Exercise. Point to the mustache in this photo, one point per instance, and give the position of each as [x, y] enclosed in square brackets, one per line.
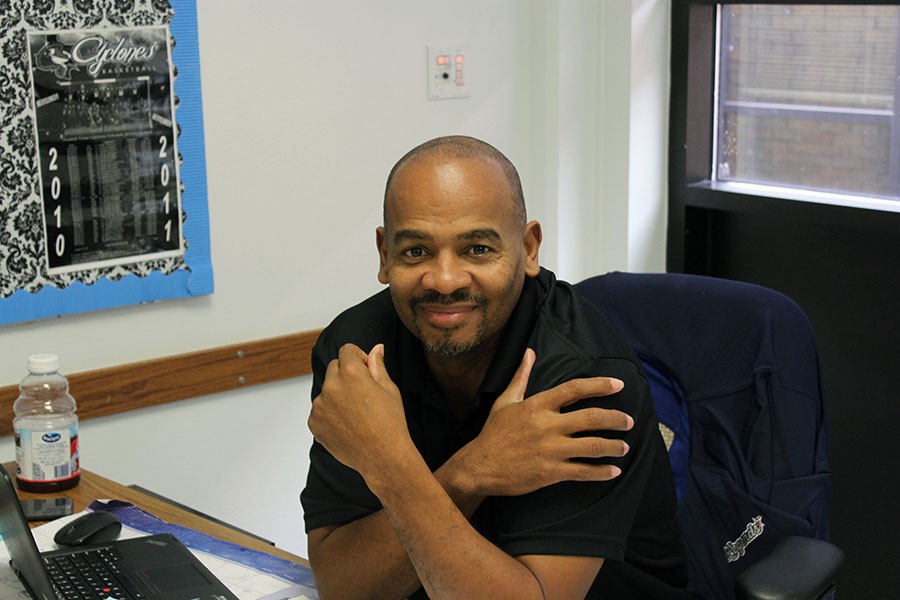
[452, 298]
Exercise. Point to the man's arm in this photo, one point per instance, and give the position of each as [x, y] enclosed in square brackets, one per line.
[365, 559]
[524, 445]
[452, 560]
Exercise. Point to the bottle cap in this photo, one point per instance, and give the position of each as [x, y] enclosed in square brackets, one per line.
[43, 363]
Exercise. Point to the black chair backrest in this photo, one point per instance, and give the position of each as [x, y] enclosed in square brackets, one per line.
[734, 372]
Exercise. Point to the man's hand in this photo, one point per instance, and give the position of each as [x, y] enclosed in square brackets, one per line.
[358, 417]
[527, 443]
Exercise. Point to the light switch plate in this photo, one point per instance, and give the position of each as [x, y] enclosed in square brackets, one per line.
[448, 70]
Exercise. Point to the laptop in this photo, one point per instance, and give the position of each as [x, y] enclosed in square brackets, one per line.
[156, 567]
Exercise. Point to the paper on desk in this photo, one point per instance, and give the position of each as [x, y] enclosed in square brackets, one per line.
[249, 574]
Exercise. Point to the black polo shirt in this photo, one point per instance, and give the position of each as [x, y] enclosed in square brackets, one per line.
[630, 520]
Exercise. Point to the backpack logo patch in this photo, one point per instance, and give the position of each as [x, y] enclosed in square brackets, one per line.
[736, 549]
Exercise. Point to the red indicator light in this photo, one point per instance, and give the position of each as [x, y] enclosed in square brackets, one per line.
[459, 58]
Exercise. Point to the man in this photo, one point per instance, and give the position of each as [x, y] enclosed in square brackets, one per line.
[456, 414]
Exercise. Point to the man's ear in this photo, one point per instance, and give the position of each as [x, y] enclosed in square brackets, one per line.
[381, 244]
[531, 240]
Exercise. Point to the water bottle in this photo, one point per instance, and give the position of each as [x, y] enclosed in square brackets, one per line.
[46, 429]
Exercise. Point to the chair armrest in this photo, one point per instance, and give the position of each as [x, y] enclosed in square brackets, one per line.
[798, 569]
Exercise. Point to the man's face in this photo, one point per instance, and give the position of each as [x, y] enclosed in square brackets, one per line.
[454, 253]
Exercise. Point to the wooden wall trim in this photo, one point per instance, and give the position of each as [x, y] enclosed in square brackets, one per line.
[131, 386]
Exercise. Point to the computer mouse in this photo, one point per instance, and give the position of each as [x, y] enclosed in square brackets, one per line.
[91, 528]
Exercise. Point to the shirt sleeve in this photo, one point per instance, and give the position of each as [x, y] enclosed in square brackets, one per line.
[334, 493]
[586, 518]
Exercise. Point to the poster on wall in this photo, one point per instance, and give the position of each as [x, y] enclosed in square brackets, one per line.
[102, 174]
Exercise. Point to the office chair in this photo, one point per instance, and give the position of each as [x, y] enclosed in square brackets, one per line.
[734, 374]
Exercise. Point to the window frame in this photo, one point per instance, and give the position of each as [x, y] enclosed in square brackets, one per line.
[694, 193]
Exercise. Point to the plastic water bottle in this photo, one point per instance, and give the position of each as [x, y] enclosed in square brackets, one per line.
[46, 429]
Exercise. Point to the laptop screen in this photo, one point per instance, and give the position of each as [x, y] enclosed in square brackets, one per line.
[20, 543]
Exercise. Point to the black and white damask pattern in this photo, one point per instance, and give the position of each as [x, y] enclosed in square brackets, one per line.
[22, 250]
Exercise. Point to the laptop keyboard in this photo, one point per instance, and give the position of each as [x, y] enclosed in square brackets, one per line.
[90, 575]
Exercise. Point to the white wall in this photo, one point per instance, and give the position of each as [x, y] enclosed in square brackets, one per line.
[307, 105]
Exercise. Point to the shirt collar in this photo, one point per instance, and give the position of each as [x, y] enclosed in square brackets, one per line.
[410, 369]
[517, 334]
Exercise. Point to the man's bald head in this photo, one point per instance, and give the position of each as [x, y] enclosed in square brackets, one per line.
[456, 147]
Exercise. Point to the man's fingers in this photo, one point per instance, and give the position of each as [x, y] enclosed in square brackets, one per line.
[595, 419]
[519, 382]
[353, 363]
[375, 361]
[596, 447]
[587, 472]
[580, 389]
[350, 355]
[515, 391]
[334, 366]
[578, 471]
[378, 370]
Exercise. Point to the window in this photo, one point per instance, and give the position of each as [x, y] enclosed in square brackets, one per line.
[806, 97]
[787, 101]
[784, 111]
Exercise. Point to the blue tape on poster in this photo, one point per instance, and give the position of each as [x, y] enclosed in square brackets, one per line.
[135, 518]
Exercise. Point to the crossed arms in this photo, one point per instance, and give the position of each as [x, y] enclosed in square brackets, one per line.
[422, 535]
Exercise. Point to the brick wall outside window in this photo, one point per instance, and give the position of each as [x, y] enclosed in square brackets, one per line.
[807, 97]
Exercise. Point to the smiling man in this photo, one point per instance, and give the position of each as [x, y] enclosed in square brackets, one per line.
[481, 431]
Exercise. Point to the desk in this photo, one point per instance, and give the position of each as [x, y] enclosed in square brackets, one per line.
[94, 487]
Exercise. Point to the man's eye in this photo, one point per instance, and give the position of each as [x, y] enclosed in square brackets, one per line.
[414, 253]
[479, 250]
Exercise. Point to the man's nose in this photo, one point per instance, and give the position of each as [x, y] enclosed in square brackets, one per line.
[447, 274]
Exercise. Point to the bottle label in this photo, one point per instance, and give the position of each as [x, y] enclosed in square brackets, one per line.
[47, 455]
